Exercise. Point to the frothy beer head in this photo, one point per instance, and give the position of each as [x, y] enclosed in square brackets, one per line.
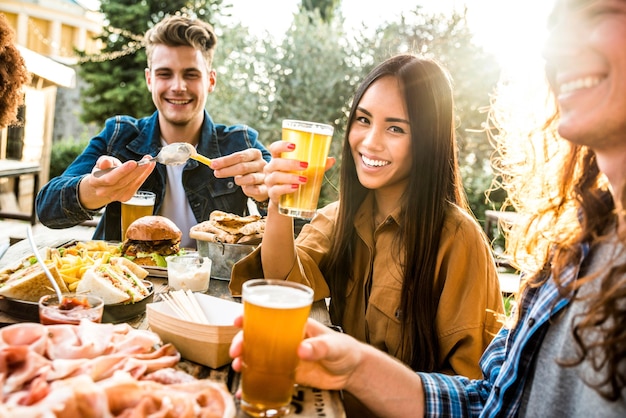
[277, 297]
[139, 201]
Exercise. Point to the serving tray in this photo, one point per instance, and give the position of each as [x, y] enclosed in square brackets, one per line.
[114, 313]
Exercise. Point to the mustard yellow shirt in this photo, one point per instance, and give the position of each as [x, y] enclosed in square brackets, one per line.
[471, 291]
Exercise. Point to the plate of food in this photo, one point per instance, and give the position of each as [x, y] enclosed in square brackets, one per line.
[149, 241]
[227, 238]
[117, 280]
[140, 370]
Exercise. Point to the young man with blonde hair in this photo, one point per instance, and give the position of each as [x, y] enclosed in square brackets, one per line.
[180, 76]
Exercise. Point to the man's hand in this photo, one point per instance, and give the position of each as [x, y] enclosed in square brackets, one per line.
[117, 185]
[247, 168]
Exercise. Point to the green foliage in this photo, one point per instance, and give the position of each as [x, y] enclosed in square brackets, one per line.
[474, 72]
[509, 304]
[311, 73]
[307, 76]
[63, 154]
[325, 8]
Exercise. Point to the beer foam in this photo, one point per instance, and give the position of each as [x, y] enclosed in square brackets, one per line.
[139, 201]
[278, 297]
[312, 127]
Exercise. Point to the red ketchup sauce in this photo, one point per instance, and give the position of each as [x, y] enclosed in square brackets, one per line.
[69, 311]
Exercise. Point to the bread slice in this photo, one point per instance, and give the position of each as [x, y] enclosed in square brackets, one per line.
[29, 282]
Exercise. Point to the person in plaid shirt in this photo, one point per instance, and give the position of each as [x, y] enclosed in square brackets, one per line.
[564, 354]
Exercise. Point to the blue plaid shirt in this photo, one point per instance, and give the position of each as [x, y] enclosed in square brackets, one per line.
[505, 362]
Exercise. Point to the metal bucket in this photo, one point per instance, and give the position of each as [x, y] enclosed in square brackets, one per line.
[223, 256]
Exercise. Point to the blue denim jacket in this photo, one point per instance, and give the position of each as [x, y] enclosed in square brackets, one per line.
[127, 138]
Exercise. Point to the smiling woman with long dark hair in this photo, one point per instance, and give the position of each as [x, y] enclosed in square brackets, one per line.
[406, 266]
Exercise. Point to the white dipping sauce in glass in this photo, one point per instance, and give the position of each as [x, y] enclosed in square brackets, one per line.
[189, 272]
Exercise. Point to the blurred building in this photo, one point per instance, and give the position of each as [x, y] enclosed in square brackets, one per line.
[47, 34]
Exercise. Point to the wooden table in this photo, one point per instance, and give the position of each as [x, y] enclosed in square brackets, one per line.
[307, 402]
[15, 169]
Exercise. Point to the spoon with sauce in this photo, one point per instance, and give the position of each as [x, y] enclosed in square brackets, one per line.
[193, 154]
[176, 153]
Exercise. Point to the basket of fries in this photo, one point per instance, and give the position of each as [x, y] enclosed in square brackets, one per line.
[227, 238]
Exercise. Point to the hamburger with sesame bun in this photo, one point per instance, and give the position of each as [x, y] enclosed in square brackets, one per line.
[150, 239]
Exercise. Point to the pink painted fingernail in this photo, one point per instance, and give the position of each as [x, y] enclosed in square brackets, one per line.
[291, 146]
[302, 179]
[304, 164]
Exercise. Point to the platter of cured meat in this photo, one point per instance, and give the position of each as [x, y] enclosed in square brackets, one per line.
[101, 371]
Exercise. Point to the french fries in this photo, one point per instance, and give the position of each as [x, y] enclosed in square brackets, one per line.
[72, 262]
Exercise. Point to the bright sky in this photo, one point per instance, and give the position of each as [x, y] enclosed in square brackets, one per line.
[513, 30]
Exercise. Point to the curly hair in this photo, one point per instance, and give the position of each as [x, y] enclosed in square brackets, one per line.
[566, 202]
[13, 75]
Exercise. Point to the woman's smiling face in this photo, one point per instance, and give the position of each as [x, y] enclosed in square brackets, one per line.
[586, 58]
[380, 137]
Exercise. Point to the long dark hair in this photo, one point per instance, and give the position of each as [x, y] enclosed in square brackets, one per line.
[434, 184]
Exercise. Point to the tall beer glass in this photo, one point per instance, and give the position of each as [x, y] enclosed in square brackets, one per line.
[141, 204]
[312, 144]
[275, 312]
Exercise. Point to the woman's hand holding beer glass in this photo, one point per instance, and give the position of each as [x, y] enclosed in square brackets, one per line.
[295, 174]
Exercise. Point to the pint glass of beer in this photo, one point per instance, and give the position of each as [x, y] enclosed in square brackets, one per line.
[141, 204]
[274, 312]
[312, 144]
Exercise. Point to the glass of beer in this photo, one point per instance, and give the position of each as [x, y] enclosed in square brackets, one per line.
[141, 204]
[312, 144]
[274, 315]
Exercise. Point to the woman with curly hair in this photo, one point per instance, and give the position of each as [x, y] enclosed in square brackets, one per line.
[13, 75]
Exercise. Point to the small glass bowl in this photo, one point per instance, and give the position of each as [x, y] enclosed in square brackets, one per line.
[74, 308]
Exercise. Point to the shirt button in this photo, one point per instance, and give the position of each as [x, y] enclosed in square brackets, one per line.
[231, 184]
[531, 322]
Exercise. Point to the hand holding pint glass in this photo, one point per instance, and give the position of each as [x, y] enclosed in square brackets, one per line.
[141, 204]
[275, 312]
[312, 142]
